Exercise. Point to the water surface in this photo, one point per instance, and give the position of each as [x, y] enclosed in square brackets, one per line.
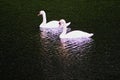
[26, 53]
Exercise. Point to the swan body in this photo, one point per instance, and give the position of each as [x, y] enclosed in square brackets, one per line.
[76, 34]
[73, 34]
[50, 24]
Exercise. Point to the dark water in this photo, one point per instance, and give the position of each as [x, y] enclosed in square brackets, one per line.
[28, 54]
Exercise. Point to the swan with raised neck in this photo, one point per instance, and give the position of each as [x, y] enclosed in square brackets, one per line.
[42, 12]
[50, 24]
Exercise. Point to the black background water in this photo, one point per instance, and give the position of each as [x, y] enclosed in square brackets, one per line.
[25, 55]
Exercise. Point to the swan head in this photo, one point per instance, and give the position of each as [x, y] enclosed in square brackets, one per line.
[63, 23]
[42, 12]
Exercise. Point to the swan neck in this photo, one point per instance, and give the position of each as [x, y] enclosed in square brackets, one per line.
[44, 18]
[64, 32]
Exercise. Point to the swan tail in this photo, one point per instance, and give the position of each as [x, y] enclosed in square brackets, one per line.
[91, 34]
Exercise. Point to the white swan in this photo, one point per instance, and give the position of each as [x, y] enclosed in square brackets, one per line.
[73, 34]
[50, 24]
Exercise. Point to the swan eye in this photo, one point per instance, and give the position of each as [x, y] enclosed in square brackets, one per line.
[59, 23]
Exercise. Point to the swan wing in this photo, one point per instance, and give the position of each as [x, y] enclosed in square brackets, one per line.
[52, 24]
[78, 34]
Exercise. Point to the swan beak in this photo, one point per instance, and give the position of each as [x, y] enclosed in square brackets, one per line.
[38, 14]
[68, 23]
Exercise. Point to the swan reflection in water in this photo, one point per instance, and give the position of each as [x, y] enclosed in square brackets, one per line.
[62, 59]
[75, 56]
[49, 40]
[76, 47]
[53, 33]
[49, 33]
[46, 32]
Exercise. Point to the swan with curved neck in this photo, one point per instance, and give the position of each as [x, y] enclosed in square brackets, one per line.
[50, 24]
[73, 34]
